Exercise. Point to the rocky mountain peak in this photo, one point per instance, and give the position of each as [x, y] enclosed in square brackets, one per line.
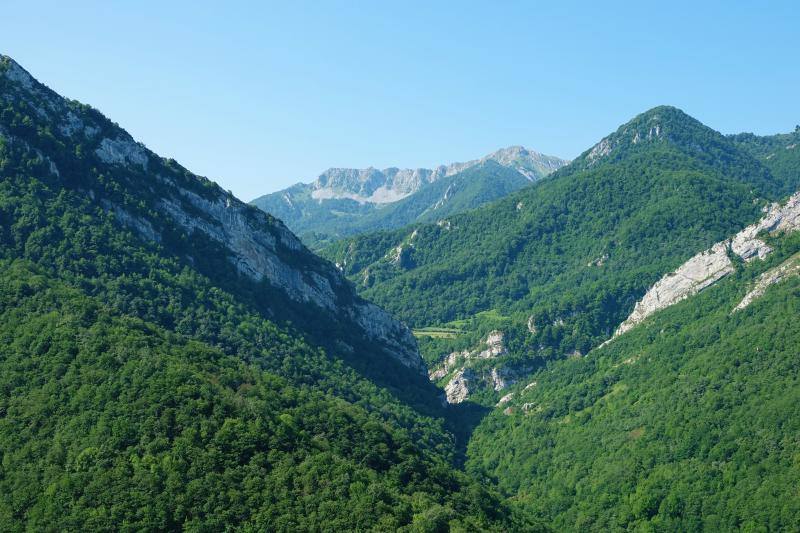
[506, 156]
[668, 129]
[14, 72]
[657, 124]
[628, 135]
[371, 185]
[529, 163]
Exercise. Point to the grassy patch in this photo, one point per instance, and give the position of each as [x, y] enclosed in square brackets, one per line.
[437, 333]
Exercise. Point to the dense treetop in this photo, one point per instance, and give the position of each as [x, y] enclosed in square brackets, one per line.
[148, 385]
[688, 422]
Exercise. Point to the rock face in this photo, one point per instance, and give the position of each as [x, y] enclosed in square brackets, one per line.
[457, 389]
[696, 274]
[787, 269]
[495, 347]
[266, 249]
[259, 246]
[371, 185]
[447, 366]
[122, 151]
[465, 379]
[708, 267]
[501, 378]
[505, 399]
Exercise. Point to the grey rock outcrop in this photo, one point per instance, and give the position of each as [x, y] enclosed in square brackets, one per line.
[121, 151]
[501, 378]
[450, 362]
[259, 246]
[505, 399]
[265, 249]
[494, 347]
[787, 269]
[696, 274]
[709, 266]
[457, 389]
[467, 375]
[389, 185]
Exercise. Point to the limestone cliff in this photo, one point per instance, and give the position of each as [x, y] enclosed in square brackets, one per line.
[389, 185]
[709, 266]
[787, 269]
[465, 376]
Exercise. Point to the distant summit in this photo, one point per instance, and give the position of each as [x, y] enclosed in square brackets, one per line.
[389, 185]
[662, 123]
[346, 201]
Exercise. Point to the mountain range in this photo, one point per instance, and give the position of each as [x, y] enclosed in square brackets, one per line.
[621, 322]
[344, 201]
[608, 344]
[557, 266]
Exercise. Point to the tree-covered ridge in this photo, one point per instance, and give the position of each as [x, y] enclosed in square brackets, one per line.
[567, 258]
[150, 383]
[780, 153]
[111, 423]
[667, 125]
[312, 217]
[688, 422]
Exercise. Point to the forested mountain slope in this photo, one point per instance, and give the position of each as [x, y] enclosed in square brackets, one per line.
[344, 202]
[687, 422]
[112, 423]
[558, 266]
[172, 358]
[780, 153]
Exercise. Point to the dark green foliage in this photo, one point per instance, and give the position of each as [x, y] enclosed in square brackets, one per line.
[780, 153]
[687, 422]
[185, 281]
[73, 236]
[148, 386]
[577, 249]
[110, 423]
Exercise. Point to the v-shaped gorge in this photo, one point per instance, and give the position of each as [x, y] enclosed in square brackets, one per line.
[173, 358]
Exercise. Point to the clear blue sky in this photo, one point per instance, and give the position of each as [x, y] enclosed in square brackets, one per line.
[258, 96]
